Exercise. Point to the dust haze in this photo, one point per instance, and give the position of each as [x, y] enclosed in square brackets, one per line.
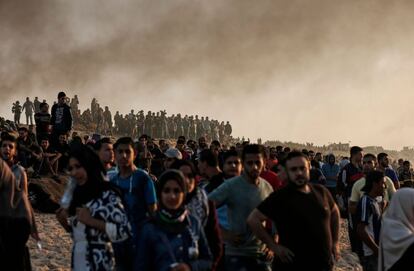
[306, 71]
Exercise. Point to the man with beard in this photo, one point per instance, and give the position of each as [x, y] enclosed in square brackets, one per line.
[369, 163]
[384, 166]
[331, 170]
[241, 195]
[306, 218]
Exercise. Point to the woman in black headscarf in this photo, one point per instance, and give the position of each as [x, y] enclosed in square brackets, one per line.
[174, 239]
[96, 214]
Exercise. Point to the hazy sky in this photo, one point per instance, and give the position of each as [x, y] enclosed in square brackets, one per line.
[306, 71]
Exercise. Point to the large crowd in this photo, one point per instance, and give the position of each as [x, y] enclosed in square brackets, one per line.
[200, 204]
[102, 121]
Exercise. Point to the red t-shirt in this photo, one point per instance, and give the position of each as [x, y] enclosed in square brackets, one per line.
[273, 179]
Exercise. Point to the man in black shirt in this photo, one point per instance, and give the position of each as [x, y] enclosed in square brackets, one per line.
[42, 120]
[306, 218]
[61, 118]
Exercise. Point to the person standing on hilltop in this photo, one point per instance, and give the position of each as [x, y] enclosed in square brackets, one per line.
[28, 108]
[36, 104]
[61, 120]
[17, 110]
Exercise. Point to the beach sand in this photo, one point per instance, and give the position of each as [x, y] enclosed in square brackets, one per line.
[56, 247]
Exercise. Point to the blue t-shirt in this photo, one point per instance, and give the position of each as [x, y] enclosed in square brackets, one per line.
[138, 192]
[329, 171]
[389, 172]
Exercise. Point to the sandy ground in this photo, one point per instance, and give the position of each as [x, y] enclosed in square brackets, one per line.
[56, 248]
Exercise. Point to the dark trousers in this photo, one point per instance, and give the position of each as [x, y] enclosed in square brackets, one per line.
[14, 234]
[242, 263]
[124, 255]
[370, 263]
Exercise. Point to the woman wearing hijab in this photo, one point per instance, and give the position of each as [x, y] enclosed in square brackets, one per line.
[96, 214]
[203, 209]
[16, 222]
[173, 239]
[396, 250]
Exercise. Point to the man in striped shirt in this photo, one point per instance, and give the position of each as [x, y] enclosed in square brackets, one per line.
[369, 215]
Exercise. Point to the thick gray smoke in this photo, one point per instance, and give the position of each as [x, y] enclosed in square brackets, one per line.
[319, 71]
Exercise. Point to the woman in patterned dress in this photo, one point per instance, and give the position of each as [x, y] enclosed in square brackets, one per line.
[96, 215]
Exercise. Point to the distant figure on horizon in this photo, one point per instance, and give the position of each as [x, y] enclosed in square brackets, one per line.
[29, 108]
[36, 104]
[17, 110]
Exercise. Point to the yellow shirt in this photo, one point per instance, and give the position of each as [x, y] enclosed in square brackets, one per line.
[357, 194]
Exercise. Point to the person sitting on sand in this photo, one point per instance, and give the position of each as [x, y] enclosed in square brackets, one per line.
[47, 163]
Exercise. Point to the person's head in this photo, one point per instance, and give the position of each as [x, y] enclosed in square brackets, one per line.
[253, 158]
[202, 142]
[297, 167]
[180, 144]
[23, 133]
[63, 139]
[406, 165]
[105, 150]
[383, 159]
[286, 150]
[172, 190]
[189, 171]
[311, 154]
[369, 163]
[318, 157]
[172, 155]
[124, 152]
[232, 165]
[61, 97]
[207, 159]
[272, 153]
[85, 166]
[400, 162]
[375, 183]
[44, 107]
[27, 98]
[8, 147]
[356, 154]
[331, 159]
[215, 147]
[44, 143]
[279, 149]
[143, 139]
[315, 164]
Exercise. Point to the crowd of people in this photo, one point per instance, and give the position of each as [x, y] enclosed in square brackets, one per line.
[156, 124]
[203, 205]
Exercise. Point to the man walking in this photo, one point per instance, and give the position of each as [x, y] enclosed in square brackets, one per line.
[306, 218]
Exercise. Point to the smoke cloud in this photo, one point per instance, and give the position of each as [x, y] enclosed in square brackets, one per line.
[308, 71]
